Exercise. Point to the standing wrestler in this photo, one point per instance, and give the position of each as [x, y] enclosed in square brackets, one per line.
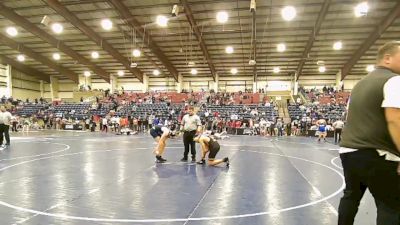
[160, 135]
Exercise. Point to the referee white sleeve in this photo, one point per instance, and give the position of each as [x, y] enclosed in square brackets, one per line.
[391, 93]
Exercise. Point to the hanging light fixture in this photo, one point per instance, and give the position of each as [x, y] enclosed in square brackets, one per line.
[222, 17]
[57, 28]
[136, 53]
[121, 73]
[234, 71]
[106, 24]
[12, 31]
[229, 49]
[56, 56]
[156, 72]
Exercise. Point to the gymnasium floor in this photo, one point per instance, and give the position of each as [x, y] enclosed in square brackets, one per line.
[63, 177]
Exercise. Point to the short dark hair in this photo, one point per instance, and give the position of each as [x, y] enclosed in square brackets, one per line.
[389, 48]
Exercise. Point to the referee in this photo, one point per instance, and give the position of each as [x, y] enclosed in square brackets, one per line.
[191, 125]
[5, 119]
[370, 147]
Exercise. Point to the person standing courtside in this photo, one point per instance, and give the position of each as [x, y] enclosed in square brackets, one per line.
[5, 120]
[370, 146]
[191, 124]
[338, 126]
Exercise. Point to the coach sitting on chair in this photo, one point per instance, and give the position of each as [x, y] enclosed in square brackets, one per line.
[191, 124]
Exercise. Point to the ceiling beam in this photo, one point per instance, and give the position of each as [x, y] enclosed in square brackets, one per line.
[89, 32]
[311, 39]
[372, 38]
[39, 58]
[129, 18]
[32, 28]
[24, 68]
[197, 33]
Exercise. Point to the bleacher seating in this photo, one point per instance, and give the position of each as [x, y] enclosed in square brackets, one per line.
[75, 110]
[295, 112]
[329, 112]
[30, 109]
[138, 110]
[226, 111]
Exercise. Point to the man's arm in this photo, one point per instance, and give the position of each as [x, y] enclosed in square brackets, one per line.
[391, 104]
[393, 122]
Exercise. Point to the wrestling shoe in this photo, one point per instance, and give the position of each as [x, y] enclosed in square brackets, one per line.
[226, 160]
[202, 162]
[160, 159]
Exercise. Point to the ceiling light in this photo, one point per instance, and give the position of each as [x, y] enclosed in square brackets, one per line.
[229, 49]
[288, 13]
[281, 47]
[222, 17]
[57, 28]
[95, 55]
[322, 69]
[56, 56]
[191, 63]
[162, 21]
[193, 71]
[12, 31]
[370, 68]
[106, 24]
[21, 58]
[234, 71]
[361, 9]
[86, 74]
[136, 53]
[276, 69]
[121, 73]
[156, 72]
[337, 45]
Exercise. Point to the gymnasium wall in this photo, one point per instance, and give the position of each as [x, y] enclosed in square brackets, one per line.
[24, 86]
[66, 89]
[162, 84]
[198, 83]
[235, 83]
[129, 84]
[47, 91]
[3, 81]
[349, 84]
